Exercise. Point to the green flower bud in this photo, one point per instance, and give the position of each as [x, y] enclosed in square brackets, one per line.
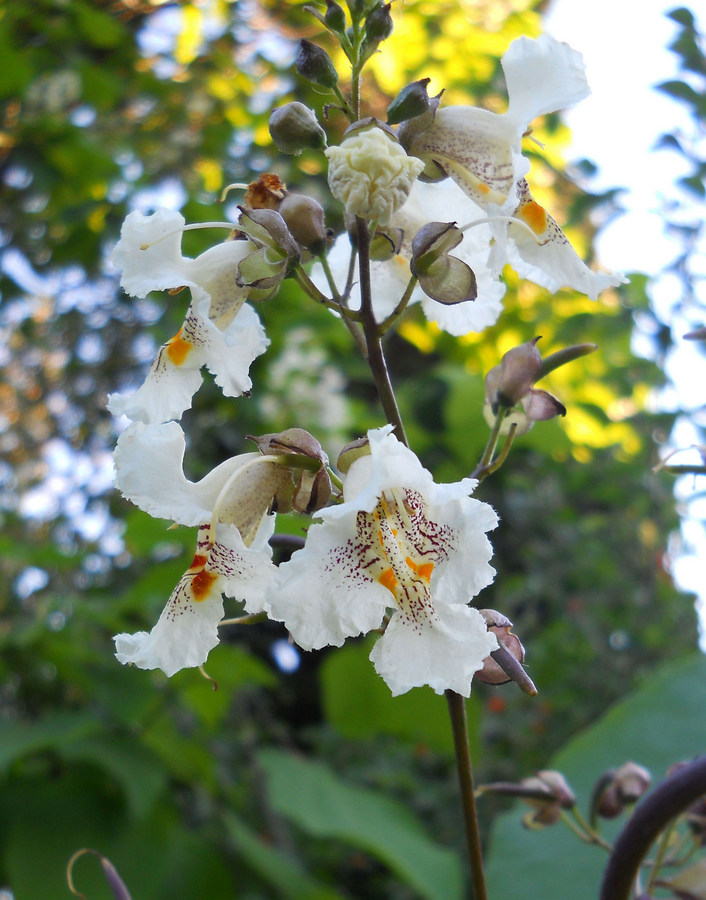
[294, 128]
[412, 101]
[378, 25]
[314, 63]
[334, 17]
[305, 220]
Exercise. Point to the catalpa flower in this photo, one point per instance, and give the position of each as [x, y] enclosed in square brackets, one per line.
[399, 543]
[219, 331]
[427, 203]
[230, 506]
[481, 151]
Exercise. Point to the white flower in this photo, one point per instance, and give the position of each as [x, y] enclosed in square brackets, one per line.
[218, 331]
[232, 556]
[482, 152]
[371, 174]
[400, 542]
[187, 629]
[440, 202]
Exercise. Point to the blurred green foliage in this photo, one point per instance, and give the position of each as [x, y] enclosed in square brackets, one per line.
[115, 104]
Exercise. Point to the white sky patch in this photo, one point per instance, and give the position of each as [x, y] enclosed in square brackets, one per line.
[625, 50]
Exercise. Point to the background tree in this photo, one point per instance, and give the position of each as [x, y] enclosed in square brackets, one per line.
[106, 106]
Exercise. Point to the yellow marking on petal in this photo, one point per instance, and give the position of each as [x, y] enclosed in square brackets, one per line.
[178, 349]
[535, 216]
[387, 580]
[202, 584]
[483, 188]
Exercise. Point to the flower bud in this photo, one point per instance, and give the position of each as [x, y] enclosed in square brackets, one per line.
[314, 63]
[294, 128]
[351, 452]
[442, 277]
[504, 664]
[386, 243]
[620, 788]
[559, 796]
[277, 251]
[334, 17]
[547, 792]
[412, 101]
[310, 486]
[369, 172]
[378, 26]
[509, 382]
[305, 219]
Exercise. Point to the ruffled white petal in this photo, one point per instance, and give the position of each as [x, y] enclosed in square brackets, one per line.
[175, 376]
[542, 75]
[149, 466]
[187, 629]
[555, 264]
[398, 541]
[247, 571]
[158, 267]
[322, 595]
[444, 653]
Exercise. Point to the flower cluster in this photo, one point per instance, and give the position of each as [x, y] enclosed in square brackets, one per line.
[391, 551]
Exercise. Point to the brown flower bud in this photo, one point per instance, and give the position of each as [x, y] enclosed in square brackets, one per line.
[505, 663]
[559, 796]
[619, 788]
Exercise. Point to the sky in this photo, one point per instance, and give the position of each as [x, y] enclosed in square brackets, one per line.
[616, 128]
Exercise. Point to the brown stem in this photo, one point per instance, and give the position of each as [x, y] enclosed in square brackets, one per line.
[376, 357]
[672, 797]
[459, 725]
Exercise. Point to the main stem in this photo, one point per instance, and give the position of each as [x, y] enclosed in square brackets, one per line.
[376, 357]
[459, 725]
[457, 706]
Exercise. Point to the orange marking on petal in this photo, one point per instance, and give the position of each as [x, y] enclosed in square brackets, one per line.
[198, 562]
[535, 216]
[178, 349]
[388, 580]
[202, 584]
[424, 570]
[483, 188]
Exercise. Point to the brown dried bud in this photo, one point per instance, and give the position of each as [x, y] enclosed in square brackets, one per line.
[265, 193]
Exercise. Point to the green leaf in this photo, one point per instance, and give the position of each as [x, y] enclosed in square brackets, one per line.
[53, 732]
[359, 704]
[683, 16]
[136, 769]
[316, 799]
[278, 870]
[660, 724]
